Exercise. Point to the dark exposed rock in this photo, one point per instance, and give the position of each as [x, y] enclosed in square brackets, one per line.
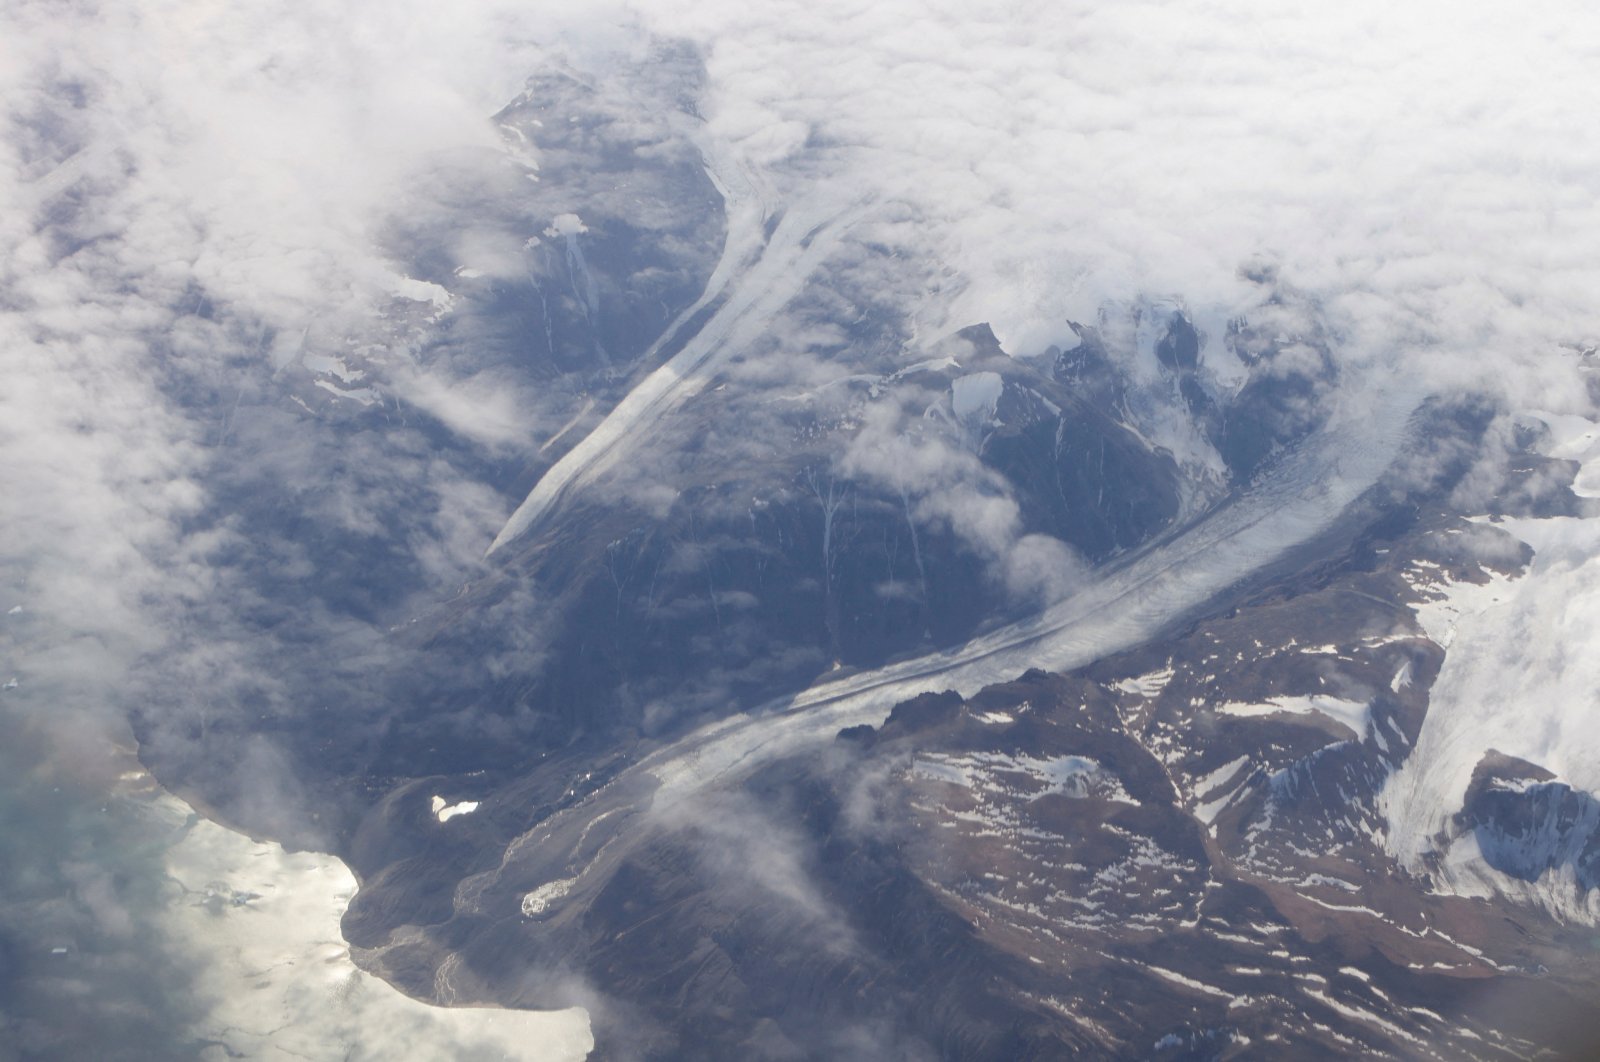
[1527, 822]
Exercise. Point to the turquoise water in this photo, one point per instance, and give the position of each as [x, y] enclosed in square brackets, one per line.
[84, 970]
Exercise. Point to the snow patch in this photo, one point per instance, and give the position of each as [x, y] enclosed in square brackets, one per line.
[1188, 982]
[1571, 437]
[566, 225]
[1402, 678]
[445, 812]
[327, 365]
[938, 770]
[365, 395]
[931, 365]
[421, 291]
[1448, 602]
[1219, 777]
[1208, 811]
[1023, 776]
[976, 393]
[1464, 872]
[539, 900]
[1354, 715]
[1148, 685]
[1349, 1010]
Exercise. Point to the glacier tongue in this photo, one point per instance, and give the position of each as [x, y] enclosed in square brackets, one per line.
[758, 274]
[1291, 503]
[1464, 871]
[1521, 678]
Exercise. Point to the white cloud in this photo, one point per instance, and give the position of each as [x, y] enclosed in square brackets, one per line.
[1420, 170]
[1415, 168]
[1520, 678]
[1418, 166]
